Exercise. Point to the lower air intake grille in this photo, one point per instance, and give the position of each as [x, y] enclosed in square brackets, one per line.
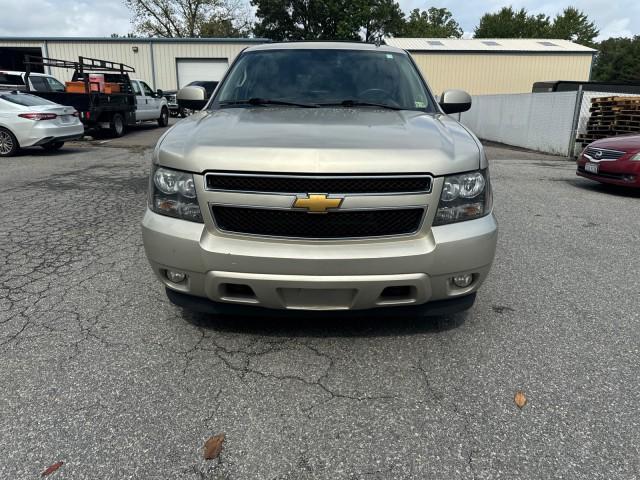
[345, 224]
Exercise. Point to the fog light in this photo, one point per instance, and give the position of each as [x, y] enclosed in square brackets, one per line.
[462, 281]
[175, 277]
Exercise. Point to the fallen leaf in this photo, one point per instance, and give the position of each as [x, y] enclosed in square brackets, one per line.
[52, 469]
[213, 446]
[520, 399]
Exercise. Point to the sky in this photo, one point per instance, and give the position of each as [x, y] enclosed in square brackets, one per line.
[98, 18]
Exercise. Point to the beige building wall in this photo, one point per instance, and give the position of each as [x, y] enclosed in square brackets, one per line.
[164, 55]
[113, 51]
[485, 74]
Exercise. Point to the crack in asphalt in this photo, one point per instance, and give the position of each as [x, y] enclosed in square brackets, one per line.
[440, 398]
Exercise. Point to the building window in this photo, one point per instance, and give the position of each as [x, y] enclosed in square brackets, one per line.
[491, 43]
[548, 44]
[436, 42]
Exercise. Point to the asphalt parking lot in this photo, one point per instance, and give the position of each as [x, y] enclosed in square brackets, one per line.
[98, 370]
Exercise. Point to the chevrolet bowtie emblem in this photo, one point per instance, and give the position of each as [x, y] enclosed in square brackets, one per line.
[317, 203]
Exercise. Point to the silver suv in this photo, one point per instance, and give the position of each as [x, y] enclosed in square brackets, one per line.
[321, 176]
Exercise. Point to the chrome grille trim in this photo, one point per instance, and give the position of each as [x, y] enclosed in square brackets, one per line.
[321, 177]
[606, 154]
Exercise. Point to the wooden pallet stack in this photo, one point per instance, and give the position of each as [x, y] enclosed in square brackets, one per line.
[611, 116]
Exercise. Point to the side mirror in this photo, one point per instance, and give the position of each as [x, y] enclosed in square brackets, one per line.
[159, 92]
[193, 98]
[454, 101]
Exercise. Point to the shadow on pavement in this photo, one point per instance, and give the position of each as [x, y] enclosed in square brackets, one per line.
[604, 188]
[354, 325]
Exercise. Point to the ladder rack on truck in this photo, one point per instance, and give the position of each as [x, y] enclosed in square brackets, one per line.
[97, 108]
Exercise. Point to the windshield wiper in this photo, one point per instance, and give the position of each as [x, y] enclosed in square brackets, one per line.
[267, 101]
[358, 103]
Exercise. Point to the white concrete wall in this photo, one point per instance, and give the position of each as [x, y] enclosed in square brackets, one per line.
[537, 121]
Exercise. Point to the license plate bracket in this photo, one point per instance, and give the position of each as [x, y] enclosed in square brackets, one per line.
[590, 167]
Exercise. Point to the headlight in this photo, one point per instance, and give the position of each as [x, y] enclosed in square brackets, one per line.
[464, 197]
[173, 193]
[636, 157]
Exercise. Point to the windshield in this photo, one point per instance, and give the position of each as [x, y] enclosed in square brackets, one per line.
[25, 99]
[325, 77]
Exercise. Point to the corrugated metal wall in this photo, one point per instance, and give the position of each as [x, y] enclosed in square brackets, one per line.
[113, 51]
[486, 74]
[164, 54]
[538, 121]
[479, 74]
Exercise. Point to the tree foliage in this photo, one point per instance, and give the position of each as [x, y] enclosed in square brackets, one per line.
[189, 18]
[509, 23]
[618, 60]
[571, 24]
[327, 19]
[435, 23]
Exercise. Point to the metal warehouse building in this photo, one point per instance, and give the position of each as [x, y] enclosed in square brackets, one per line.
[163, 63]
[479, 66]
[483, 66]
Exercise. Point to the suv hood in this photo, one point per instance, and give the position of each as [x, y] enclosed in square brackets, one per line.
[319, 140]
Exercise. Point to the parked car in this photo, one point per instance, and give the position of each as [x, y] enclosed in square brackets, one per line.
[321, 176]
[150, 105]
[39, 82]
[614, 160]
[28, 121]
[172, 102]
[104, 94]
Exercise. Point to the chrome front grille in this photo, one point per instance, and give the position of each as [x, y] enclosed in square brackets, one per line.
[357, 206]
[603, 154]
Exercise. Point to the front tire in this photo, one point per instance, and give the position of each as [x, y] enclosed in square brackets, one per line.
[117, 125]
[8, 143]
[53, 146]
[163, 121]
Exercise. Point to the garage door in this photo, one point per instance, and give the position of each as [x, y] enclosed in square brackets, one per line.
[209, 69]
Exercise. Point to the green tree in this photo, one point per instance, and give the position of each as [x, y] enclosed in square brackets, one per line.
[184, 18]
[573, 24]
[618, 60]
[509, 23]
[378, 18]
[327, 19]
[224, 28]
[435, 23]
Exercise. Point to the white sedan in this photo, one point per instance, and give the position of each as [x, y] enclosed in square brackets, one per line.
[27, 121]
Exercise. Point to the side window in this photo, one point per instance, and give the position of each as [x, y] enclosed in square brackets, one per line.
[55, 85]
[39, 84]
[136, 88]
[147, 90]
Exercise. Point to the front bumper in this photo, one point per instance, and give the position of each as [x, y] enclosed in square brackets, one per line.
[320, 275]
[623, 172]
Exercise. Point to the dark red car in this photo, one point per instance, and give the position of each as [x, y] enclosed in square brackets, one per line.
[613, 160]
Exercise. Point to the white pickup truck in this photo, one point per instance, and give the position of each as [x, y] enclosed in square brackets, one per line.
[150, 105]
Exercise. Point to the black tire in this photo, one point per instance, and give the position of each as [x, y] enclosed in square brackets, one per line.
[8, 143]
[163, 121]
[117, 125]
[53, 146]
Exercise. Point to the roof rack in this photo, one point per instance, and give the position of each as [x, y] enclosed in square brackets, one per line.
[82, 66]
[83, 63]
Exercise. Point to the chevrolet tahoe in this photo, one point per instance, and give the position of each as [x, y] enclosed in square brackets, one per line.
[321, 176]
